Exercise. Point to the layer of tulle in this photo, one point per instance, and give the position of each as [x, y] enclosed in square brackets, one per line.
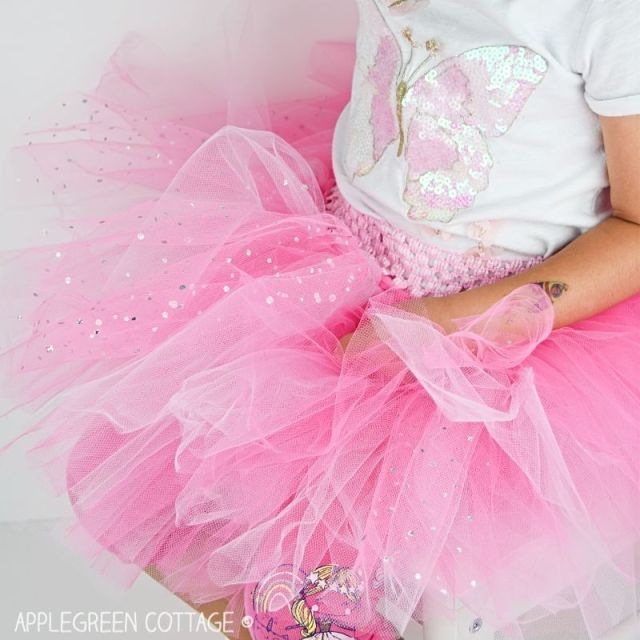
[212, 430]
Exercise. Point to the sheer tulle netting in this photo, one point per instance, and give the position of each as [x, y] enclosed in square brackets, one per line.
[176, 336]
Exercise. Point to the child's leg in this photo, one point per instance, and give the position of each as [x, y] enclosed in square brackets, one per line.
[214, 611]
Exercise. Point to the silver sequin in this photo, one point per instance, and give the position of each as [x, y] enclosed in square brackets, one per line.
[475, 626]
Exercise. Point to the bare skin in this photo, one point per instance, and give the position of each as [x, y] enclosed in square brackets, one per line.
[594, 272]
[213, 610]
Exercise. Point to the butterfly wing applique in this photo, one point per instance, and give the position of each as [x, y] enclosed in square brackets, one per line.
[374, 123]
[454, 109]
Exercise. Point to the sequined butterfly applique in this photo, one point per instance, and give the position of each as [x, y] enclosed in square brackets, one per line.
[442, 119]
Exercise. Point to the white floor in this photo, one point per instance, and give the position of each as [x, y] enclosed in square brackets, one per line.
[40, 575]
[466, 627]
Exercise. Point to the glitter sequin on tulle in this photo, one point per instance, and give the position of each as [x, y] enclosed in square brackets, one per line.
[421, 268]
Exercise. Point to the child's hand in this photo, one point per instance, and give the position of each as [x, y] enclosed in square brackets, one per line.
[510, 319]
[344, 341]
[435, 309]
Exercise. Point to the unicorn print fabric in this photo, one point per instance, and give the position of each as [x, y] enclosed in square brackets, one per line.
[175, 339]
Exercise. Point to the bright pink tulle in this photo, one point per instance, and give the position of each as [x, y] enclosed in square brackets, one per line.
[212, 428]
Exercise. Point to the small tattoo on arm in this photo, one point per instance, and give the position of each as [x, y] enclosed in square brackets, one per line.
[553, 288]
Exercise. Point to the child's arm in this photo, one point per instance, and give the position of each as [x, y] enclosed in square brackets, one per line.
[600, 268]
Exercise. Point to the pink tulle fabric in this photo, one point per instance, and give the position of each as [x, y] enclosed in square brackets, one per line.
[180, 350]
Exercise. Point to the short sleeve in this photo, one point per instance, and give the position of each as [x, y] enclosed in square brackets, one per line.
[608, 57]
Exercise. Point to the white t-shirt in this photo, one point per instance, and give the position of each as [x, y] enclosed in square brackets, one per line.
[473, 124]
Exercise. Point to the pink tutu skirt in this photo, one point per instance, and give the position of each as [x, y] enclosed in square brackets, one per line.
[177, 337]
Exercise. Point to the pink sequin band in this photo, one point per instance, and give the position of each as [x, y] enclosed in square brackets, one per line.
[421, 268]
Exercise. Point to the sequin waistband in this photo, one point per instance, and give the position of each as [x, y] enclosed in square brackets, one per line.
[421, 268]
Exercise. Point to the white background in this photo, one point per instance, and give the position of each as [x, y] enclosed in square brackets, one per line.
[49, 48]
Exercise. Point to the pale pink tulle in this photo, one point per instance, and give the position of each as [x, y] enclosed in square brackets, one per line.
[212, 428]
